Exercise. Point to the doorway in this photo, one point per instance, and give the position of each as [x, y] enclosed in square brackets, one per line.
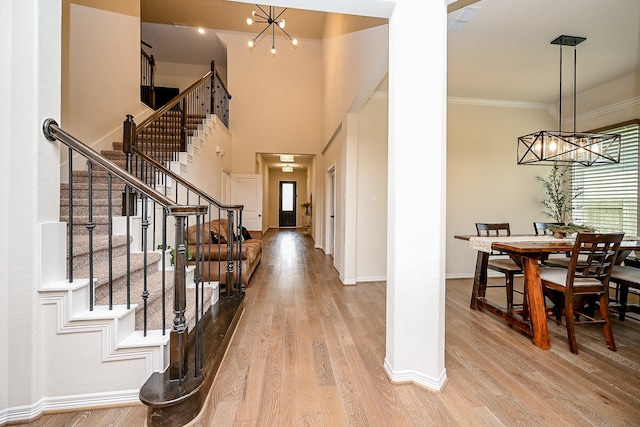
[287, 206]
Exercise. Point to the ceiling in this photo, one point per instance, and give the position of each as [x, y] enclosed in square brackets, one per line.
[503, 53]
[159, 29]
[301, 161]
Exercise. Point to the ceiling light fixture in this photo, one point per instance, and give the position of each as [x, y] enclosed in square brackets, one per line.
[287, 168]
[271, 19]
[286, 158]
[584, 148]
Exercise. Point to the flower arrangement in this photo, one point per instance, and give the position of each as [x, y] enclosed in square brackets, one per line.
[307, 208]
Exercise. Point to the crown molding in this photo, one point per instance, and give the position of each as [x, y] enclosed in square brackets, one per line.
[622, 105]
[497, 103]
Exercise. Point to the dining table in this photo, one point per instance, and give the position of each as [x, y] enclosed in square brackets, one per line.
[527, 251]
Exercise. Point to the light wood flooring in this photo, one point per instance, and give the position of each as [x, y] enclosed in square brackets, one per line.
[309, 352]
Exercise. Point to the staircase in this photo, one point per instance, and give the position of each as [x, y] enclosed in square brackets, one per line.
[165, 360]
[144, 269]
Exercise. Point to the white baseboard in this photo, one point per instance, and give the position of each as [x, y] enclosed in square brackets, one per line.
[414, 377]
[67, 403]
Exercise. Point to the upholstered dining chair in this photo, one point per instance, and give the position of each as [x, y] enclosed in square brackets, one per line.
[499, 261]
[573, 289]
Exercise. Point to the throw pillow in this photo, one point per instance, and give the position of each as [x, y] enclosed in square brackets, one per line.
[245, 234]
[216, 238]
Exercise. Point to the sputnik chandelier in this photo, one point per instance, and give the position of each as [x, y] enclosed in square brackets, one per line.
[271, 19]
[568, 147]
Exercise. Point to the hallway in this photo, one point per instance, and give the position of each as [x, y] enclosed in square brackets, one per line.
[310, 351]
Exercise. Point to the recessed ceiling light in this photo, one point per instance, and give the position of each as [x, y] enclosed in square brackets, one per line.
[201, 30]
[286, 157]
[287, 169]
[181, 25]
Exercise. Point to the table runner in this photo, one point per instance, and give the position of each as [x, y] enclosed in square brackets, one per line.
[484, 243]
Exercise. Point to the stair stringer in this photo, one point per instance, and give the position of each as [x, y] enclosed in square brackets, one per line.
[71, 335]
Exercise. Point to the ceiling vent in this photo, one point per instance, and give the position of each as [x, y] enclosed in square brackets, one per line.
[463, 17]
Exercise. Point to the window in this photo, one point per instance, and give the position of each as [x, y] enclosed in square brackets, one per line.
[609, 199]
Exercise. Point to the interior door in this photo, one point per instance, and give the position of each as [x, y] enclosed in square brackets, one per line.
[331, 206]
[287, 212]
[246, 189]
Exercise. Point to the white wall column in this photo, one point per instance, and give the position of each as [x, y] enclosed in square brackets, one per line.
[417, 171]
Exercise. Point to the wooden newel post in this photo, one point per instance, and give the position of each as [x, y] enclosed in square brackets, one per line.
[180, 331]
[230, 243]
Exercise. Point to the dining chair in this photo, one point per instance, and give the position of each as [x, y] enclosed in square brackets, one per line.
[624, 277]
[499, 261]
[573, 289]
[542, 228]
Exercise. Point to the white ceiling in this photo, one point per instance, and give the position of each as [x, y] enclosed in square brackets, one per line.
[502, 53]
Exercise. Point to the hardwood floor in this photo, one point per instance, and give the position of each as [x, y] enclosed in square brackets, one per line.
[309, 351]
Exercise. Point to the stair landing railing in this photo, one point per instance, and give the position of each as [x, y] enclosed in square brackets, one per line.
[164, 134]
[147, 78]
[96, 163]
[180, 190]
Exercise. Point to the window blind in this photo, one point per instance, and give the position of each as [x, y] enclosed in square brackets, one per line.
[608, 194]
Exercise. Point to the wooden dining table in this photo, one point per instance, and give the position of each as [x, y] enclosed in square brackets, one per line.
[526, 251]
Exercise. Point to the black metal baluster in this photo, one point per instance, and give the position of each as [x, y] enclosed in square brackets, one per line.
[128, 240]
[91, 226]
[145, 292]
[110, 221]
[70, 219]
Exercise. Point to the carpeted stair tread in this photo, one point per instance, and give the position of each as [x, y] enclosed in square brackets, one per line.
[100, 243]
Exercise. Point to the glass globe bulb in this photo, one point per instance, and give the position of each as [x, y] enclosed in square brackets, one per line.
[273, 50]
[251, 43]
[281, 24]
[253, 13]
[249, 21]
[294, 42]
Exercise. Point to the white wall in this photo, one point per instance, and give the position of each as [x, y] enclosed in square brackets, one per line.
[30, 83]
[205, 166]
[169, 74]
[103, 62]
[484, 182]
[371, 223]
[353, 65]
[275, 177]
[276, 101]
